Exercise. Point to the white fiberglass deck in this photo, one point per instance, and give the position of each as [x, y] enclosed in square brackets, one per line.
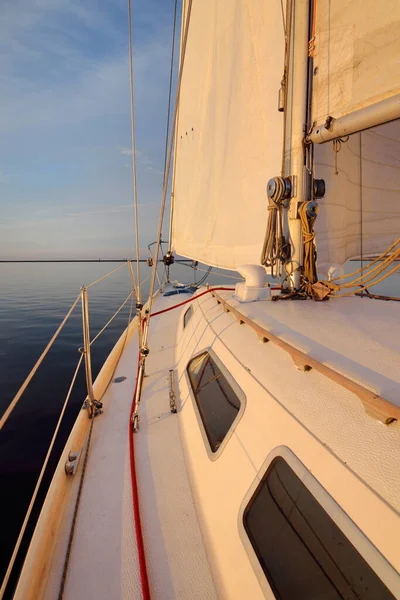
[190, 504]
[358, 337]
[104, 560]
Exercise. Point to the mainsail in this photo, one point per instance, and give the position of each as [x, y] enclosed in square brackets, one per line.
[229, 131]
[360, 213]
[356, 59]
[356, 85]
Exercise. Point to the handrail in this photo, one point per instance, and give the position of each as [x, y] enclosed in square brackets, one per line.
[374, 404]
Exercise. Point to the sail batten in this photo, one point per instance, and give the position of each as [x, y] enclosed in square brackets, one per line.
[229, 133]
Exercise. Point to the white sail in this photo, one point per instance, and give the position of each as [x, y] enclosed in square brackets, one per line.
[357, 57]
[360, 213]
[229, 134]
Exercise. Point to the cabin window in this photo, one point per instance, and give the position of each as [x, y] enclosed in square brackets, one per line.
[300, 548]
[187, 315]
[217, 401]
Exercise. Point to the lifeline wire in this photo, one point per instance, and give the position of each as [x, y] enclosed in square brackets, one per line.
[135, 201]
[172, 136]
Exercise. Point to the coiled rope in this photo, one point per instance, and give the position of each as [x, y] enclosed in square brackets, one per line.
[308, 214]
[275, 247]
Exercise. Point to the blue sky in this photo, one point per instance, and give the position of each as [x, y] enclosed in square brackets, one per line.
[65, 163]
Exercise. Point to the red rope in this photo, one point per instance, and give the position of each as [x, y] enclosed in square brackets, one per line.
[191, 299]
[136, 509]
[135, 494]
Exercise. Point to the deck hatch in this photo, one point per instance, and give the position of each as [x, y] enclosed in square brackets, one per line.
[301, 550]
[217, 402]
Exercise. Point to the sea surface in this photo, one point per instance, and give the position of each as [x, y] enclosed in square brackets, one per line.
[34, 298]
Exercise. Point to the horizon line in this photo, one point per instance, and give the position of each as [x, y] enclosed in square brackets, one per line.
[82, 260]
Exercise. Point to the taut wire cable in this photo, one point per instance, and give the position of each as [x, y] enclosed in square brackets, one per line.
[135, 199]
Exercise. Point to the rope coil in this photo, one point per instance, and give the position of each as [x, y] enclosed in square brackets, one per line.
[275, 247]
[308, 214]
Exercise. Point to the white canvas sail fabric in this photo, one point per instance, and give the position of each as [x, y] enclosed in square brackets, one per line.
[357, 55]
[360, 213]
[229, 131]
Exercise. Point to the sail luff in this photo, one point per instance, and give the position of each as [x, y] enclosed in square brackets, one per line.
[229, 132]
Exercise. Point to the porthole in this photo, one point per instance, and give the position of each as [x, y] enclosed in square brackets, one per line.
[300, 548]
[219, 401]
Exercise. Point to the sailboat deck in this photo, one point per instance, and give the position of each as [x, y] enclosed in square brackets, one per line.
[358, 337]
[105, 541]
[189, 522]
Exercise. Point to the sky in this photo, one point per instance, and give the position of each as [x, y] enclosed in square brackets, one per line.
[65, 132]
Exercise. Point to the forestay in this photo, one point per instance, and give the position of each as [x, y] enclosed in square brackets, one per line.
[229, 134]
[356, 58]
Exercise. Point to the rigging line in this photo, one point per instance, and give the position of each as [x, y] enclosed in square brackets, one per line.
[134, 288]
[23, 387]
[120, 354]
[135, 201]
[172, 137]
[215, 274]
[379, 258]
[39, 481]
[144, 579]
[283, 18]
[364, 287]
[170, 88]
[361, 208]
[172, 200]
[210, 290]
[113, 317]
[166, 269]
[106, 275]
[202, 280]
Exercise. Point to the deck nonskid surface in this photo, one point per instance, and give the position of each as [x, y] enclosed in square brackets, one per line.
[358, 337]
[176, 559]
[104, 559]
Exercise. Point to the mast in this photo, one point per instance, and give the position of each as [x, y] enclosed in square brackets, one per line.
[295, 128]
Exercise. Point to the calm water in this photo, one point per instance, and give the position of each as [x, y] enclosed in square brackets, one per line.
[34, 299]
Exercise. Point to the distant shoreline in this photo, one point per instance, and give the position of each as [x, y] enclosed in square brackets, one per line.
[89, 260]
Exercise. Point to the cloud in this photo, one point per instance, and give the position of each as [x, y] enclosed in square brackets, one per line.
[65, 108]
[125, 151]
